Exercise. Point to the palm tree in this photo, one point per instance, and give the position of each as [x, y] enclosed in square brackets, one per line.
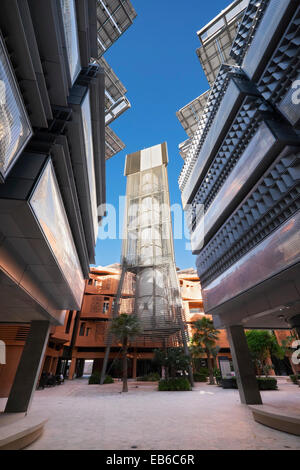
[204, 340]
[125, 328]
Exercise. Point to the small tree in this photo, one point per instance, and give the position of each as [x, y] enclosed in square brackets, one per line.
[173, 359]
[204, 340]
[262, 345]
[125, 328]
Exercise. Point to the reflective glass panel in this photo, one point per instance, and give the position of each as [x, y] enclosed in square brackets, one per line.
[15, 129]
[49, 210]
[71, 35]
[89, 149]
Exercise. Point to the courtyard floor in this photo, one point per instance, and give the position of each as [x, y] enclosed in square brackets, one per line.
[83, 416]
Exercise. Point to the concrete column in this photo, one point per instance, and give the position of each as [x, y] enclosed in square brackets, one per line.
[72, 368]
[134, 364]
[27, 374]
[50, 365]
[243, 366]
[54, 365]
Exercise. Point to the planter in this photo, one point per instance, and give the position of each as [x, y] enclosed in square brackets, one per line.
[229, 382]
[264, 383]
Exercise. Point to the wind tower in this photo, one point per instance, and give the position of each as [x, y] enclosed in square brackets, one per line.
[148, 251]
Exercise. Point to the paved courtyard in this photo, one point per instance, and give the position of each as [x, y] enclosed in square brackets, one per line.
[83, 416]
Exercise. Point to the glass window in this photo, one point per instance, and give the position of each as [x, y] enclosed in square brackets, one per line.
[15, 129]
[68, 326]
[48, 207]
[71, 36]
[82, 329]
[196, 310]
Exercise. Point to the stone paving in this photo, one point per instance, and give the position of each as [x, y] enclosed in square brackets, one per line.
[83, 416]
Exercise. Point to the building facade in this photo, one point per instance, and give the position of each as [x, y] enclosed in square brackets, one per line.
[242, 168]
[52, 178]
[90, 331]
[216, 39]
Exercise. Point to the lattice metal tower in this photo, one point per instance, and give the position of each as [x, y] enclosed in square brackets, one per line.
[148, 253]
[148, 246]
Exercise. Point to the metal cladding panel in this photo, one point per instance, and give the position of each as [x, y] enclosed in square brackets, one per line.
[113, 18]
[264, 35]
[274, 254]
[15, 129]
[189, 116]
[47, 205]
[71, 37]
[245, 169]
[133, 163]
[290, 104]
[146, 159]
[49, 34]
[216, 39]
[221, 121]
[113, 144]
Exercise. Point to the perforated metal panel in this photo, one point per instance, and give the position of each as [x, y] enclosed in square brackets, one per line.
[148, 246]
[113, 144]
[113, 18]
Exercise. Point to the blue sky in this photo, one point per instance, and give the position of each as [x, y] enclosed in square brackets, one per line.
[156, 61]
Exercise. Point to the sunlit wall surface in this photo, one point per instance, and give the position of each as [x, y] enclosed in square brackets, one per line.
[15, 129]
[48, 207]
[88, 142]
[71, 36]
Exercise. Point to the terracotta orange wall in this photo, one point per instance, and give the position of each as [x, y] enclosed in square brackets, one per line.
[222, 341]
[58, 333]
[8, 370]
[190, 288]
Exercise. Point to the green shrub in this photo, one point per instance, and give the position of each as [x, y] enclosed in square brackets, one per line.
[267, 383]
[203, 371]
[264, 383]
[178, 384]
[108, 380]
[152, 377]
[217, 375]
[294, 377]
[94, 378]
[229, 382]
[198, 377]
